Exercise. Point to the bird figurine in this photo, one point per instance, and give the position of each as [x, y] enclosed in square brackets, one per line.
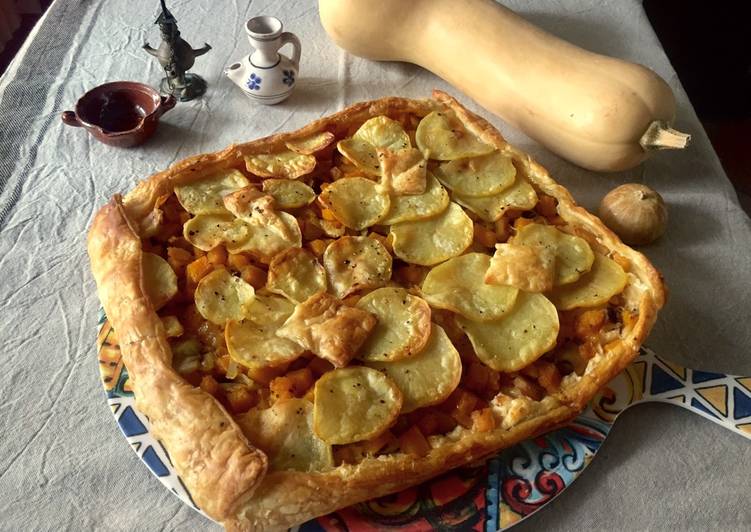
[177, 57]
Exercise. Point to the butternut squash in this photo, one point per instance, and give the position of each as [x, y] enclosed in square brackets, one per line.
[601, 113]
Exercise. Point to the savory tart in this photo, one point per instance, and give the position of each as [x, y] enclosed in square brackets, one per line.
[329, 315]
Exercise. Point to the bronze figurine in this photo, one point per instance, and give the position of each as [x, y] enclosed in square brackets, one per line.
[177, 57]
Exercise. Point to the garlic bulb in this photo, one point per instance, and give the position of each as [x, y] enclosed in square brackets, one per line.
[634, 212]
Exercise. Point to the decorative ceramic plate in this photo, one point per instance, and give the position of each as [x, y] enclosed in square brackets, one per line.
[492, 496]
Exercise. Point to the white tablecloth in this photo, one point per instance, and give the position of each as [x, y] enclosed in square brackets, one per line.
[64, 464]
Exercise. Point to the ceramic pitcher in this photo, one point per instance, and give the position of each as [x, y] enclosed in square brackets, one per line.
[266, 76]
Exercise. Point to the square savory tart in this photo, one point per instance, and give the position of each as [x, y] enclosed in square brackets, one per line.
[324, 316]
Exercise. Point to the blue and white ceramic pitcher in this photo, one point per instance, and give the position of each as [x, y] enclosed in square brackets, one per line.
[266, 76]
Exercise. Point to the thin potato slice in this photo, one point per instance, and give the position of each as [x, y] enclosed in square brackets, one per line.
[362, 154]
[270, 308]
[528, 268]
[433, 201]
[206, 231]
[252, 342]
[285, 433]
[403, 326]
[442, 136]
[356, 262]
[289, 193]
[249, 202]
[377, 132]
[265, 242]
[520, 195]
[356, 202]
[221, 297]
[428, 242]
[459, 285]
[159, 280]
[519, 338]
[286, 164]
[403, 171]
[206, 195]
[429, 377]
[312, 143]
[296, 274]
[383, 132]
[483, 176]
[596, 287]
[354, 404]
[573, 256]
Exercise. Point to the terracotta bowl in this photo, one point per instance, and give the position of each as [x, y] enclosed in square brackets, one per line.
[121, 113]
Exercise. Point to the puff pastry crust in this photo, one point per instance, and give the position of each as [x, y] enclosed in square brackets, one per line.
[227, 476]
[329, 328]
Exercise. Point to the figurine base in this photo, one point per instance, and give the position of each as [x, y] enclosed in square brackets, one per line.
[195, 87]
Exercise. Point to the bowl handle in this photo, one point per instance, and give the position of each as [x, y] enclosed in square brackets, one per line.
[167, 103]
[70, 119]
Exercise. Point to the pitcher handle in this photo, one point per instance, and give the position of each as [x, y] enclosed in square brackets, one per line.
[291, 38]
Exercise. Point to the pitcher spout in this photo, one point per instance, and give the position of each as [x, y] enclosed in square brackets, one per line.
[266, 76]
[237, 72]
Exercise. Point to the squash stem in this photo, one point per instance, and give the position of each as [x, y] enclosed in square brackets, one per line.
[660, 136]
